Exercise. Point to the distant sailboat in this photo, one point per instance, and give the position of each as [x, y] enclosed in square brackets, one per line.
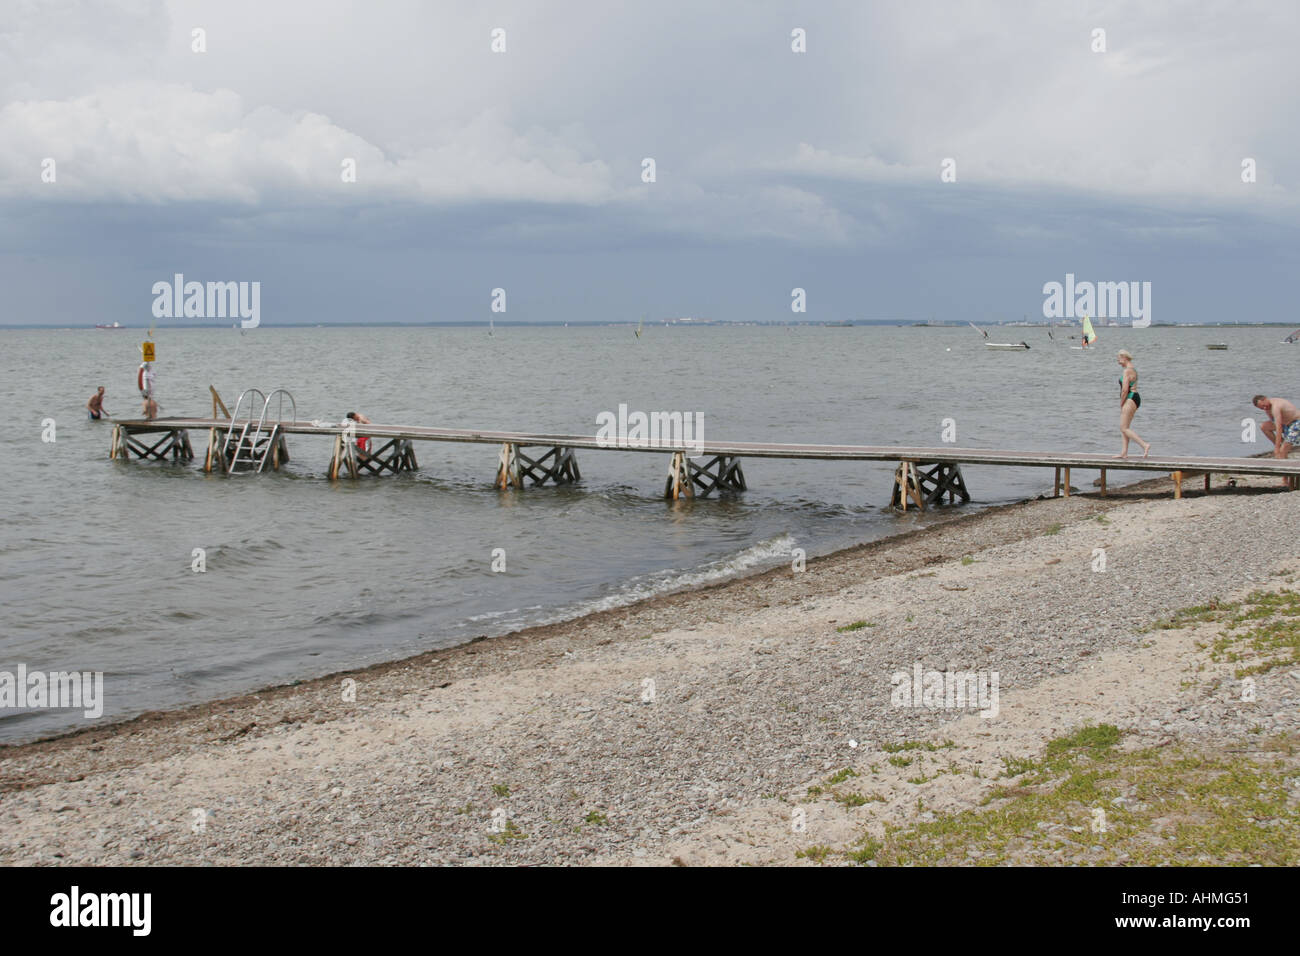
[638, 328]
[1293, 337]
[978, 329]
[1089, 335]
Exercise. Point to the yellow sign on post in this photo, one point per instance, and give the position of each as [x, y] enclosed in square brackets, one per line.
[146, 350]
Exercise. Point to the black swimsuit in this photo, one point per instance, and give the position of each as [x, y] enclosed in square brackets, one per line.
[1132, 393]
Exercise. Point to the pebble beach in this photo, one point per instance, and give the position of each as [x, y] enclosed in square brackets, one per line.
[699, 728]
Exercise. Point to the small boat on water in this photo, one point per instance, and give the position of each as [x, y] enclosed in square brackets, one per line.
[1006, 346]
[115, 327]
[1218, 347]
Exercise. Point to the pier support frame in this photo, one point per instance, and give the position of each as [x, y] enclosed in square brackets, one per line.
[558, 465]
[1178, 477]
[172, 444]
[1057, 485]
[394, 456]
[926, 483]
[688, 479]
[345, 456]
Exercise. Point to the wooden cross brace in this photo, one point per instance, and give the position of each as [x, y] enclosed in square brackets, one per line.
[943, 478]
[927, 487]
[688, 479]
[394, 456]
[173, 443]
[558, 465]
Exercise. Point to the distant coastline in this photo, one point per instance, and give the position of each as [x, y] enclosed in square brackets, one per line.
[702, 323]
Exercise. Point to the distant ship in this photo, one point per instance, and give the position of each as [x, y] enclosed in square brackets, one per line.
[114, 326]
[839, 325]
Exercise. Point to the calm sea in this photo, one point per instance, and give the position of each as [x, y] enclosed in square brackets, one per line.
[305, 576]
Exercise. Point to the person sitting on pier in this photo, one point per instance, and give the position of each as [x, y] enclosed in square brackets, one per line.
[1283, 427]
[96, 405]
[363, 441]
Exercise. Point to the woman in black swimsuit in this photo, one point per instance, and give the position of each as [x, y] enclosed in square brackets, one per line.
[1129, 402]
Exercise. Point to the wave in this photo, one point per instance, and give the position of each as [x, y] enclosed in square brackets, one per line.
[771, 552]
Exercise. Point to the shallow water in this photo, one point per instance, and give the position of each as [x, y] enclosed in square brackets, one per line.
[305, 576]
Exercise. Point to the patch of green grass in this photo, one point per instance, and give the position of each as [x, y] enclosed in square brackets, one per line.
[511, 832]
[596, 819]
[901, 761]
[1015, 766]
[855, 626]
[1054, 529]
[1182, 807]
[1093, 739]
[967, 559]
[928, 745]
[857, 799]
[815, 791]
[840, 776]
[1262, 628]
[868, 848]
[1102, 519]
[817, 853]
[500, 789]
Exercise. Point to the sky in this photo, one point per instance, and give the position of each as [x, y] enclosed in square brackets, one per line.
[914, 160]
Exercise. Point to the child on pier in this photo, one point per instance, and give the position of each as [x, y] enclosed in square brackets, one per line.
[363, 441]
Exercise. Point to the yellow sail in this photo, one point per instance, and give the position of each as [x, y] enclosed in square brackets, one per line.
[1089, 335]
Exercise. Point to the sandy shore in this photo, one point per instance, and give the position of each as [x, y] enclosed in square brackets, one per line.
[689, 728]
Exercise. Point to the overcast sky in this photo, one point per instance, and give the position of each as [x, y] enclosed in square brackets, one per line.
[522, 169]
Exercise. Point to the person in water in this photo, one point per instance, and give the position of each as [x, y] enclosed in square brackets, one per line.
[363, 441]
[1283, 426]
[1129, 402]
[96, 405]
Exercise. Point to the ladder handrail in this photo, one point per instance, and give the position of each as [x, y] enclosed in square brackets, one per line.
[234, 418]
[279, 409]
[283, 393]
[243, 431]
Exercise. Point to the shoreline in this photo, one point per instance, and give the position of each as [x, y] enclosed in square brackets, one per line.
[758, 687]
[1146, 487]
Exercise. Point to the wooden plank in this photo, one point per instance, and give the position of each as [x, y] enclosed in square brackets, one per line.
[1067, 482]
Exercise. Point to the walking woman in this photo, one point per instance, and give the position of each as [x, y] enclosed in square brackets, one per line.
[1129, 402]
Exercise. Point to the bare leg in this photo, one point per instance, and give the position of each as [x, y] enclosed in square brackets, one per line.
[1125, 420]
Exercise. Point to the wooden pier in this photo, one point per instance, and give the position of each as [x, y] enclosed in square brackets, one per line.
[924, 476]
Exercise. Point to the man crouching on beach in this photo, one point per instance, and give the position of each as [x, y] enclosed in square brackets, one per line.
[1283, 427]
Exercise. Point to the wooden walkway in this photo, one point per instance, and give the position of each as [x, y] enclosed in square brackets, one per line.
[924, 475]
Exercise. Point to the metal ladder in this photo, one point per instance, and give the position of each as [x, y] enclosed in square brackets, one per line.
[274, 438]
[251, 445]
